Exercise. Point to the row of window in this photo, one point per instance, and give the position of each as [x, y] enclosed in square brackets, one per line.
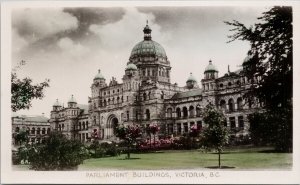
[81, 125]
[111, 101]
[147, 96]
[185, 112]
[161, 72]
[34, 130]
[231, 104]
[182, 127]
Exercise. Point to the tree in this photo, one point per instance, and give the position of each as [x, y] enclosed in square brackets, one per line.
[154, 128]
[23, 91]
[269, 66]
[58, 153]
[21, 137]
[129, 134]
[216, 134]
[194, 132]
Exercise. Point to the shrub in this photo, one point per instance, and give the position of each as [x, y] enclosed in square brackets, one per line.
[58, 153]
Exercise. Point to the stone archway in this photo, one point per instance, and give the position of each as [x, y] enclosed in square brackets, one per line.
[112, 123]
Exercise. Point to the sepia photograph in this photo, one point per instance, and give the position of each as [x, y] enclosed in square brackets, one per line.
[120, 92]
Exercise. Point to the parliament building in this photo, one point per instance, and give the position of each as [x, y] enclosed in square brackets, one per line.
[147, 96]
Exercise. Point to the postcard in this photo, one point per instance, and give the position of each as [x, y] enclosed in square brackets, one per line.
[122, 92]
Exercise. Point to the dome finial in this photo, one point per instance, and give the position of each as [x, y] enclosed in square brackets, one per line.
[210, 61]
[147, 32]
[99, 70]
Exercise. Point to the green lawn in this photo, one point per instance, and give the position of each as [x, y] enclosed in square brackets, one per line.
[240, 159]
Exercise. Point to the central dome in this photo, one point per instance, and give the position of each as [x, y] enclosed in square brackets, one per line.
[148, 48]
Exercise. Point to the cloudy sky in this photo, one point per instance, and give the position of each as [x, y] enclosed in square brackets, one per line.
[69, 45]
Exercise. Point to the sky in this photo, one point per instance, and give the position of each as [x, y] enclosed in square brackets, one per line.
[69, 45]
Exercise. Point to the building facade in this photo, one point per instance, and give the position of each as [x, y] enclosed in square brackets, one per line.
[146, 96]
[36, 127]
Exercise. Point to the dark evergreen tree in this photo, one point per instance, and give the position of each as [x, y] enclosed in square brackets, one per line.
[269, 66]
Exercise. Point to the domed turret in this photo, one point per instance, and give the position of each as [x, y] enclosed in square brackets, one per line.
[56, 105]
[72, 102]
[72, 99]
[211, 71]
[210, 67]
[99, 79]
[191, 82]
[131, 70]
[131, 66]
[99, 76]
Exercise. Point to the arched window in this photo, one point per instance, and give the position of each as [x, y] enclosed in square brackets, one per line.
[149, 94]
[44, 131]
[185, 112]
[178, 112]
[223, 104]
[83, 125]
[28, 130]
[118, 99]
[231, 104]
[38, 130]
[229, 84]
[87, 125]
[17, 129]
[198, 110]
[239, 102]
[147, 114]
[192, 111]
[48, 131]
[108, 101]
[104, 103]
[221, 86]
[144, 96]
[169, 113]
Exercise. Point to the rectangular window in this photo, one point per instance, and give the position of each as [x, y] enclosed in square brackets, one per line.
[170, 128]
[199, 125]
[127, 115]
[186, 129]
[232, 122]
[241, 121]
[179, 128]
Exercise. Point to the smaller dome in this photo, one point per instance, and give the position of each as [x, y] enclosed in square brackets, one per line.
[131, 66]
[191, 78]
[56, 104]
[211, 67]
[99, 76]
[72, 99]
